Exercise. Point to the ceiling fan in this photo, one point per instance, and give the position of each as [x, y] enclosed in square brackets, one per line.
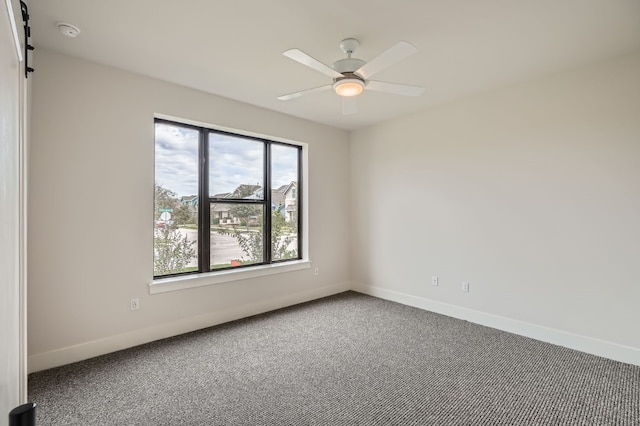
[351, 75]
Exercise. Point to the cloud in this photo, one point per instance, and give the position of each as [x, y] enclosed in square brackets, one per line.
[176, 158]
[233, 160]
[284, 165]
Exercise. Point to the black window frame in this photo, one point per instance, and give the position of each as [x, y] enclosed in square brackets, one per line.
[204, 208]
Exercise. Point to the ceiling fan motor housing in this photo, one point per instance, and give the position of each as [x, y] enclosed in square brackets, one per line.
[349, 76]
[348, 65]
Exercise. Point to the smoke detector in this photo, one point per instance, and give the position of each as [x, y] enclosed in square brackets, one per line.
[68, 29]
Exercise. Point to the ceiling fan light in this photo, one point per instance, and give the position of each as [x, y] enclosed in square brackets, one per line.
[349, 87]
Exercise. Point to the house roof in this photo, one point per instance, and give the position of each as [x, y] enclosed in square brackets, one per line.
[255, 192]
[278, 194]
[222, 195]
[245, 191]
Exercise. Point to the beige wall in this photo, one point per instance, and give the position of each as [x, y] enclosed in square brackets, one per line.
[91, 212]
[530, 193]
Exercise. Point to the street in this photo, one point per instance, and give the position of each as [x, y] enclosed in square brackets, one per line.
[224, 248]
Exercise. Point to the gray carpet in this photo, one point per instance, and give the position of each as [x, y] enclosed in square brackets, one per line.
[348, 359]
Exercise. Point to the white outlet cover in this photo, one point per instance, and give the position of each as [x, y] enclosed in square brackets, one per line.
[465, 286]
[434, 280]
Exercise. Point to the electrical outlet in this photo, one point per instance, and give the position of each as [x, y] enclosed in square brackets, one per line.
[135, 304]
[316, 272]
[434, 280]
[465, 286]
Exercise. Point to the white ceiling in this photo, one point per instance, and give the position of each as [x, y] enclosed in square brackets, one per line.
[233, 48]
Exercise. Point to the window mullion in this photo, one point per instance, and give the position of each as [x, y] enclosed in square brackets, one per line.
[300, 194]
[204, 205]
[267, 204]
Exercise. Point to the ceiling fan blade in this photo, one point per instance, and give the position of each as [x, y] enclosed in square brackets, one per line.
[299, 56]
[349, 105]
[394, 88]
[394, 54]
[304, 92]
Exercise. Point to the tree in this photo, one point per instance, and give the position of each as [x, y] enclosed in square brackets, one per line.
[281, 236]
[182, 214]
[244, 212]
[251, 242]
[164, 199]
[173, 251]
[168, 199]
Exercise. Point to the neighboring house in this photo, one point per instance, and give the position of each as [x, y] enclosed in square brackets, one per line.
[285, 199]
[221, 211]
[222, 195]
[277, 196]
[245, 191]
[190, 201]
[258, 194]
[222, 214]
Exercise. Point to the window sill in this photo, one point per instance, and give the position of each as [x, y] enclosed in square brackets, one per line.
[210, 278]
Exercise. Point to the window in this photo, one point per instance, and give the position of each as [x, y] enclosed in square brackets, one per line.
[212, 211]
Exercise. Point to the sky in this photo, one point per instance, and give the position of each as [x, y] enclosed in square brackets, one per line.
[234, 160]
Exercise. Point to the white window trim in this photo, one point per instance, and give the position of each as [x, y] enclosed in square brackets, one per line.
[183, 282]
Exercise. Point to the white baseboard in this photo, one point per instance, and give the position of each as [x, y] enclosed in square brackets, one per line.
[86, 350]
[578, 342]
